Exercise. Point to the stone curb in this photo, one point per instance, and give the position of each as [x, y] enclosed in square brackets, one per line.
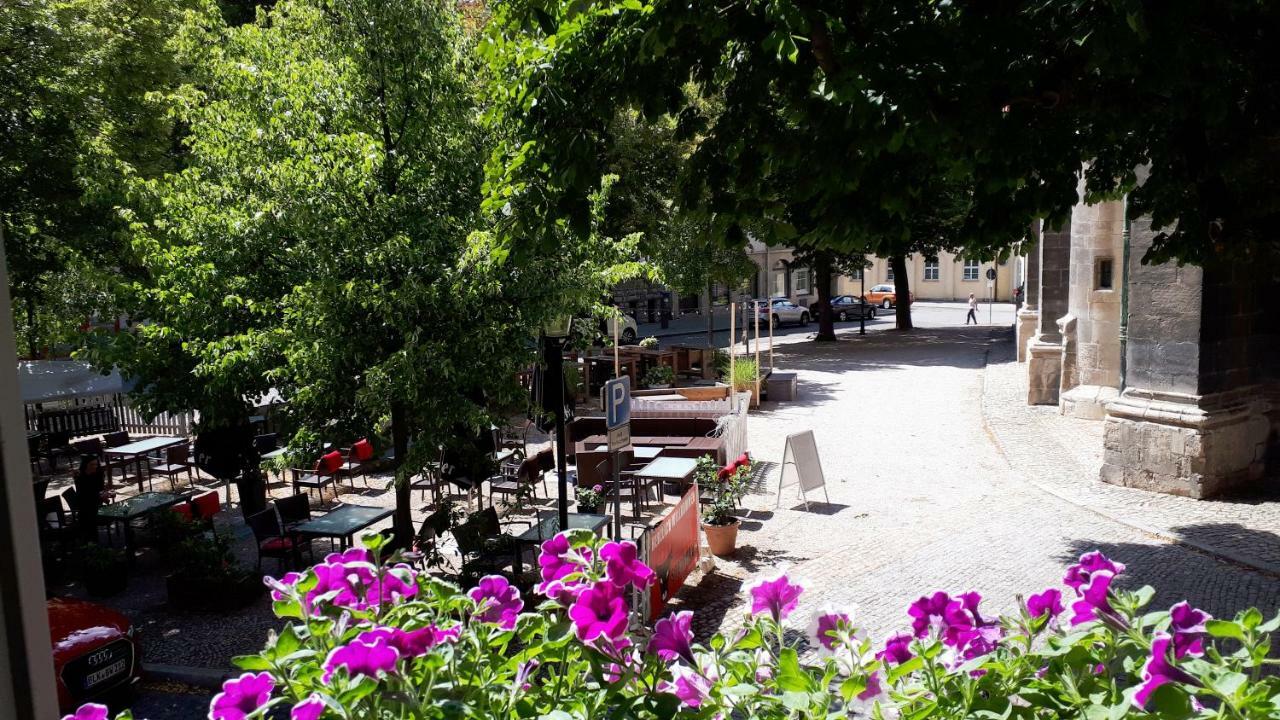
[198, 676]
[1162, 533]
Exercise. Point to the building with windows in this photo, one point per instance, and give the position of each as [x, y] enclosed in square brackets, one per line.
[944, 277]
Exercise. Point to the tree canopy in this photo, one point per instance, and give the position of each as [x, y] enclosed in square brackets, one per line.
[852, 103]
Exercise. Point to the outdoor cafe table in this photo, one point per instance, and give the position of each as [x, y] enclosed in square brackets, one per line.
[343, 523]
[140, 505]
[669, 469]
[141, 448]
[639, 452]
[548, 525]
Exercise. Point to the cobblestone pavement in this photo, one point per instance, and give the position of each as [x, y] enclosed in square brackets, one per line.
[1063, 455]
[922, 498]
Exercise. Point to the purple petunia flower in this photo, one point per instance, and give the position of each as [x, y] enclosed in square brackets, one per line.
[673, 637]
[1090, 563]
[599, 611]
[688, 685]
[927, 612]
[1094, 603]
[830, 627]
[897, 649]
[497, 601]
[556, 560]
[350, 555]
[241, 696]
[1159, 670]
[524, 672]
[358, 585]
[1048, 602]
[776, 595]
[1187, 624]
[597, 489]
[410, 643]
[565, 593]
[873, 689]
[309, 709]
[622, 565]
[280, 588]
[371, 659]
[88, 711]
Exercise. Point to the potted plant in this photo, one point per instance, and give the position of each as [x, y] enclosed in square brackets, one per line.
[659, 376]
[726, 487]
[744, 378]
[105, 571]
[207, 577]
[591, 500]
[649, 343]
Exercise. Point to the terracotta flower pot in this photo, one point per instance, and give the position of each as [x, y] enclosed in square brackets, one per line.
[722, 539]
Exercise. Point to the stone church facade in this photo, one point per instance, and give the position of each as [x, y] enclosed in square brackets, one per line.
[1182, 364]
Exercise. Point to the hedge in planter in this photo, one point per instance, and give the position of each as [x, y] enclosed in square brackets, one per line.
[368, 640]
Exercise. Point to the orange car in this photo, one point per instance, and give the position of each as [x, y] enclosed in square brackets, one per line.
[884, 296]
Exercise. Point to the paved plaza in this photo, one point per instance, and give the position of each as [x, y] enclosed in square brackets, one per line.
[925, 495]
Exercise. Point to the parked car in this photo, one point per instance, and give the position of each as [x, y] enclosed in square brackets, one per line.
[885, 296]
[846, 307]
[782, 310]
[95, 650]
[627, 332]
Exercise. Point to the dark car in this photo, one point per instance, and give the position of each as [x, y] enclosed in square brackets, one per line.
[95, 650]
[846, 307]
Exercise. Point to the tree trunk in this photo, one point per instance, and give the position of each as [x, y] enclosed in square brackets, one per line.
[707, 299]
[902, 289]
[400, 441]
[826, 323]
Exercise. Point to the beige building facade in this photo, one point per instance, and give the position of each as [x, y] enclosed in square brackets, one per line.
[945, 277]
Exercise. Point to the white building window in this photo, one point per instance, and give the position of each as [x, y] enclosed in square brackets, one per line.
[800, 281]
[970, 270]
[888, 276]
[931, 268]
[856, 274]
[779, 279]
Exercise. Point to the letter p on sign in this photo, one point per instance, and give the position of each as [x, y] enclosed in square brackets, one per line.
[617, 402]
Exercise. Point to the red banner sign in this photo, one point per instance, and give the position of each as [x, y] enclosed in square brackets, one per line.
[673, 550]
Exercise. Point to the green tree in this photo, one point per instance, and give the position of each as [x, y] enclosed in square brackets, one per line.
[78, 123]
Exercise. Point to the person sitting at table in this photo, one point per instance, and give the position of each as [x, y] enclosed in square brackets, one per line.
[93, 488]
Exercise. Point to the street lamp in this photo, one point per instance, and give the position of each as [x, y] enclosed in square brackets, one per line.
[862, 311]
[554, 333]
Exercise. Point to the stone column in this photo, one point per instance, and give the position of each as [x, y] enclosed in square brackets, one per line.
[1044, 352]
[1029, 314]
[1196, 414]
[1091, 328]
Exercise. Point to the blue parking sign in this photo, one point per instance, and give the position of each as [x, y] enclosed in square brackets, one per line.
[617, 402]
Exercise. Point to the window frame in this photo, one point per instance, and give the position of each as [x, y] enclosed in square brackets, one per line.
[971, 270]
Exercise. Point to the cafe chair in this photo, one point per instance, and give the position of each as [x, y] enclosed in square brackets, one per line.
[627, 490]
[426, 543]
[271, 540]
[432, 478]
[484, 548]
[177, 460]
[205, 506]
[357, 460]
[516, 479]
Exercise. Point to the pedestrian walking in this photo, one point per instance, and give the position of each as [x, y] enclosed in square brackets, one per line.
[973, 310]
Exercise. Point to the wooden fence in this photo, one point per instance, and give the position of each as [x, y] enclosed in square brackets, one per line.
[101, 414]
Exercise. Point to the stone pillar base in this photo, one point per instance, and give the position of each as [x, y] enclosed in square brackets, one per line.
[1044, 371]
[1087, 402]
[1028, 321]
[1195, 446]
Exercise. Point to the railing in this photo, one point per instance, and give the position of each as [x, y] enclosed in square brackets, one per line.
[101, 414]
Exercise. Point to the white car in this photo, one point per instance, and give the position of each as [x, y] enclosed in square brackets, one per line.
[627, 333]
[781, 310]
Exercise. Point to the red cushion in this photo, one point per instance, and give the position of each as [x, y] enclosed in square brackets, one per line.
[277, 543]
[207, 505]
[362, 450]
[330, 462]
[183, 510]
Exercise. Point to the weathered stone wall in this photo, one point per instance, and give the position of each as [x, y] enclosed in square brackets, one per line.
[1097, 238]
[1163, 330]
[1044, 353]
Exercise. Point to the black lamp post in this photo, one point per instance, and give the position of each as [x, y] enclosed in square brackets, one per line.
[555, 332]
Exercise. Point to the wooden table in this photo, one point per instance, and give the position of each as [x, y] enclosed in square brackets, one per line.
[343, 523]
[140, 449]
[548, 525]
[140, 505]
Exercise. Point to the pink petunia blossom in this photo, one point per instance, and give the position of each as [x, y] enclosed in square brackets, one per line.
[777, 595]
[241, 696]
[897, 649]
[830, 627]
[688, 685]
[410, 643]
[1158, 670]
[370, 659]
[928, 611]
[623, 567]
[1188, 626]
[1094, 602]
[1048, 602]
[599, 610]
[673, 637]
[310, 709]
[497, 601]
[1090, 563]
[88, 711]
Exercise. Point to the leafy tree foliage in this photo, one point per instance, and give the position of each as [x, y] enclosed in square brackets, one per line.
[852, 103]
[77, 123]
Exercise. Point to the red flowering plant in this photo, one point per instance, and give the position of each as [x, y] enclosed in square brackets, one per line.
[373, 639]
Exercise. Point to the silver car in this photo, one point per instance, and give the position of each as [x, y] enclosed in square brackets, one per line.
[781, 311]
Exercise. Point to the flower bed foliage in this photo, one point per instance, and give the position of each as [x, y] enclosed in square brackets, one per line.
[371, 640]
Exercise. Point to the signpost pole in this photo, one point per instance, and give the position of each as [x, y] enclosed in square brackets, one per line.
[618, 421]
[756, 307]
[617, 363]
[733, 343]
